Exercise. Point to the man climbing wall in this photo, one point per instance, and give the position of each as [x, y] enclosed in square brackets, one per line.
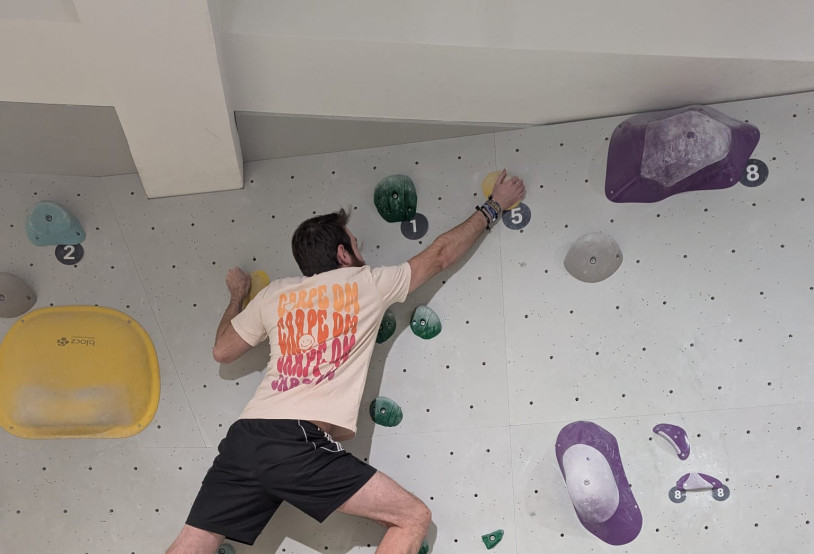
[322, 328]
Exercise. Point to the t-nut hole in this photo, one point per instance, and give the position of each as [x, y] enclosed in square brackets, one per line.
[395, 196]
[593, 259]
[49, 217]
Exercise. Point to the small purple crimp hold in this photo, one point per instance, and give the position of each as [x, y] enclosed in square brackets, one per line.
[698, 482]
[676, 436]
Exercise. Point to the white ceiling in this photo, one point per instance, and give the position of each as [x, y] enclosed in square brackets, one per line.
[176, 72]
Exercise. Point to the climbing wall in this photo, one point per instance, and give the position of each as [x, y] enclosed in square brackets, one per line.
[706, 324]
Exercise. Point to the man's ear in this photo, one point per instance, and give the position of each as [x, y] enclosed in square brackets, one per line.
[343, 257]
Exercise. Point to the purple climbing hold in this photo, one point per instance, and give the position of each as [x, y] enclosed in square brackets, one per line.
[698, 482]
[589, 459]
[655, 155]
[676, 436]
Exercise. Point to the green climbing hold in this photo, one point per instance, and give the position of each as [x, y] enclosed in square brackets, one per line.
[49, 223]
[387, 327]
[385, 412]
[395, 198]
[226, 548]
[491, 540]
[425, 323]
[424, 548]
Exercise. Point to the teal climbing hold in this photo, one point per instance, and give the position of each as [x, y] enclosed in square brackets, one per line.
[226, 548]
[425, 323]
[491, 540]
[385, 412]
[395, 198]
[425, 547]
[49, 223]
[387, 327]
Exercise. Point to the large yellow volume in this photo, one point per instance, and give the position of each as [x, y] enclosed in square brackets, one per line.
[77, 372]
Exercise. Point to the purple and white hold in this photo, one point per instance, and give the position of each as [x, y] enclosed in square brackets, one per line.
[655, 155]
[676, 436]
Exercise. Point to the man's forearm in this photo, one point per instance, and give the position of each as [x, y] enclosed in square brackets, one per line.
[231, 311]
[457, 241]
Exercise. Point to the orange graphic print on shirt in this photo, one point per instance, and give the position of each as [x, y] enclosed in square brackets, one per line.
[316, 332]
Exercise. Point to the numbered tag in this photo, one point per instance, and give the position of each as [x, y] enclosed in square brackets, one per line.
[721, 493]
[416, 227]
[517, 218]
[69, 254]
[677, 496]
[756, 173]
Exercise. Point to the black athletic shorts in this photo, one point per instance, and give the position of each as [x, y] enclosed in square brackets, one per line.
[263, 462]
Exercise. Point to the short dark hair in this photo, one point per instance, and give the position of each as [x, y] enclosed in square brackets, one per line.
[316, 240]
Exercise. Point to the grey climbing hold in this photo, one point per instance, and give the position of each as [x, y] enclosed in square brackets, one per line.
[491, 540]
[51, 224]
[16, 297]
[387, 327]
[395, 198]
[593, 258]
[385, 412]
[425, 322]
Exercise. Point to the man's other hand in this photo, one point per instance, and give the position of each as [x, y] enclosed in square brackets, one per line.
[239, 283]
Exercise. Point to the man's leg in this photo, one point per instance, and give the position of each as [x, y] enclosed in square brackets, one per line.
[192, 540]
[406, 517]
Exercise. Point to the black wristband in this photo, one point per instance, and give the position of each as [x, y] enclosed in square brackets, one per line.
[488, 219]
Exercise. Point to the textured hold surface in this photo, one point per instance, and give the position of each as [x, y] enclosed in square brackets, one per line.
[395, 198]
[491, 540]
[697, 482]
[260, 280]
[425, 322]
[593, 258]
[387, 327]
[385, 411]
[655, 155]
[590, 483]
[676, 436]
[16, 297]
[598, 488]
[51, 224]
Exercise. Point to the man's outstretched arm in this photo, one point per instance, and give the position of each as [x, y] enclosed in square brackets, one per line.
[449, 247]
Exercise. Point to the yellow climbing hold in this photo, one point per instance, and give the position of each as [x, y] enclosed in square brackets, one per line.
[77, 371]
[488, 185]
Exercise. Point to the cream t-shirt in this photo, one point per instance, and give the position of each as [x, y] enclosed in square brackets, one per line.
[321, 330]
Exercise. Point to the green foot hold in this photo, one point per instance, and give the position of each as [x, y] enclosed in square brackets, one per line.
[226, 548]
[50, 224]
[424, 548]
[491, 540]
[385, 412]
[387, 327]
[425, 323]
[395, 198]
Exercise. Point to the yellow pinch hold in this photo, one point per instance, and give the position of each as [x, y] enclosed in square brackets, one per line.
[260, 280]
[488, 185]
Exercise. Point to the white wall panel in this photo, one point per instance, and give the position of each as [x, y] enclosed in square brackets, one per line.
[490, 429]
